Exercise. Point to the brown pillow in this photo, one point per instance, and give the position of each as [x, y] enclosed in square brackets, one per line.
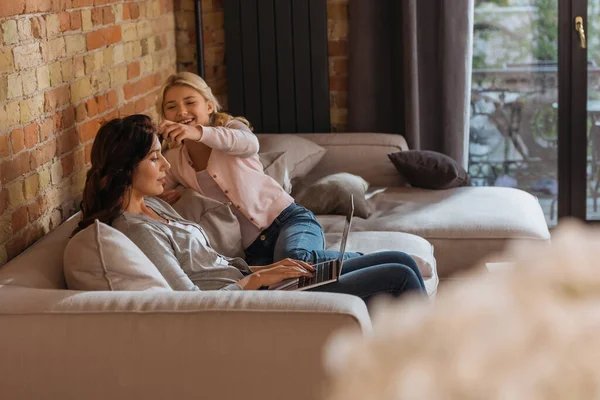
[331, 195]
[429, 169]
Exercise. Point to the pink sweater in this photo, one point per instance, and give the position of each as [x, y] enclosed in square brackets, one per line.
[236, 168]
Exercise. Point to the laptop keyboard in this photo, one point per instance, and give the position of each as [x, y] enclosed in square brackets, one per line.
[324, 272]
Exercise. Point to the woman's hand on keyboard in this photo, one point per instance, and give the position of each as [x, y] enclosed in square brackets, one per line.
[277, 272]
[287, 261]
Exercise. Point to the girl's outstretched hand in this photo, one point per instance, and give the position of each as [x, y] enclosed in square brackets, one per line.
[176, 132]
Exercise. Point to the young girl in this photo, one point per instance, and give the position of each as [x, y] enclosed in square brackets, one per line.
[217, 155]
[128, 169]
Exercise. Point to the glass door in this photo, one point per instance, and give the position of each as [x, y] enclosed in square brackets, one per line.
[515, 96]
[590, 29]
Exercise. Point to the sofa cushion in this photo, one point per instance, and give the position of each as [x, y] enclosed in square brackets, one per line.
[430, 169]
[275, 165]
[301, 154]
[101, 258]
[370, 242]
[216, 219]
[332, 194]
[464, 224]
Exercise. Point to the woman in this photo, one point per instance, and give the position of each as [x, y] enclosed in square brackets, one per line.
[217, 156]
[128, 169]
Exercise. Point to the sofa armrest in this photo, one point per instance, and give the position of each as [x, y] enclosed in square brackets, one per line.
[168, 344]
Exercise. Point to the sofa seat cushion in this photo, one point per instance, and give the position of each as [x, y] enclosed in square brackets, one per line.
[464, 224]
[370, 242]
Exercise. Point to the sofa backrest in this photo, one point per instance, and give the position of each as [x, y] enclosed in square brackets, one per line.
[41, 266]
[363, 154]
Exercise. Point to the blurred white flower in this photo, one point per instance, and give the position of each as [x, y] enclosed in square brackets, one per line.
[532, 332]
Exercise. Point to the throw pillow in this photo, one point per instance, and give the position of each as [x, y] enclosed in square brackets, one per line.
[102, 258]
[216, 218]
[274, 165]
[302, 155]
[331, 195]
[429, 169]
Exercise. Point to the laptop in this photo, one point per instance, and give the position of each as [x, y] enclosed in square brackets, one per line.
[326, 271]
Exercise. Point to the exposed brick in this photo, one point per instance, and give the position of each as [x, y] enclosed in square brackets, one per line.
[27, 56]
[19, 219]
[31, 186]
[133, 70]
[86, 20]
[80, 90]
[108, 15]
[10, 32]
[88, 130]
[36, 209]
[38, 27]
[43, 153]
[15, 86]
[67, 70]
[129, 90]
[64, 19]
[13, 7]
[101, 100]
[44, 175]
[15, 167]
[113, 34]
[68, 163]
[95, 40]
[67, 117]
[43, 77]
[91, 107]
[82, 3]
[67, 141]
[52, 25]
[78, 67]
[97, 16]
[17, 141]
[81, 112]
[111, 98]
[57, 98]
[46, 129]
[75, 44]
[3, 200]
[26, 238]
[88, 152]
[31, 108]
[31, 134]
[7, 64]
[75, 21]
[4, 146]
[126, 11]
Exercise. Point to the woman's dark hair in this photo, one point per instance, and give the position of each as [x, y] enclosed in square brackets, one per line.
[120, 145]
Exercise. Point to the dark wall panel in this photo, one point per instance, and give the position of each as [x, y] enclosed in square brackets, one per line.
[277, 64]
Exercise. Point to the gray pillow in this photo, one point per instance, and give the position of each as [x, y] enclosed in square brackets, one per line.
[331, 195]
[429, 169]
[101, 258]
[216, 218]
[302, 155]
[274, 165]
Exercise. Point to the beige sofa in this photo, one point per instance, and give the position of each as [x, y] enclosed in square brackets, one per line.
[465, 226]
[57, 343]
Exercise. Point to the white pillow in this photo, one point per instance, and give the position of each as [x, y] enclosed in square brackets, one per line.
[302, 155]
[102, 258]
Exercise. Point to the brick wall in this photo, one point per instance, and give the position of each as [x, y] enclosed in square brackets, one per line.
[214, 50]
[66, 66]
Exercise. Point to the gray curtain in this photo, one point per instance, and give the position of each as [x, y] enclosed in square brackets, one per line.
[410, 71]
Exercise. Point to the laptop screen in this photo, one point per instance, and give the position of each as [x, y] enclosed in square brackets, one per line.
[346, 229]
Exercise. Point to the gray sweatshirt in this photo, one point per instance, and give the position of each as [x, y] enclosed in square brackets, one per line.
[185, 261]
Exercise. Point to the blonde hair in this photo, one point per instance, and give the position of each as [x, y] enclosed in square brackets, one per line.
[217, 118]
